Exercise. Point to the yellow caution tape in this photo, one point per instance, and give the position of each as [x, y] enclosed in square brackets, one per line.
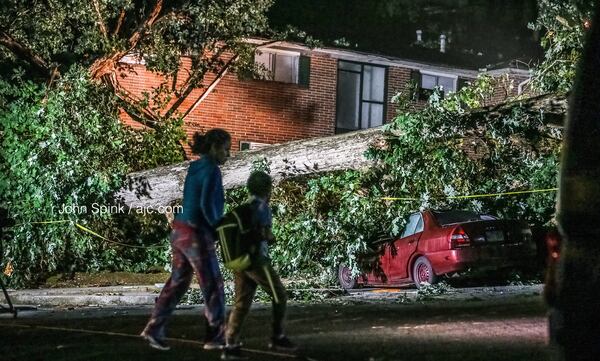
[85, 229]
[474, 195]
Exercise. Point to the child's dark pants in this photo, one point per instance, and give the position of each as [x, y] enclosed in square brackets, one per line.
[245, 287]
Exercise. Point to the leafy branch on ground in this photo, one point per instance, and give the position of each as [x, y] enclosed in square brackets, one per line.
[429, 292]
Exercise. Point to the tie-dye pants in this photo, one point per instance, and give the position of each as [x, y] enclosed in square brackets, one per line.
[193, 253]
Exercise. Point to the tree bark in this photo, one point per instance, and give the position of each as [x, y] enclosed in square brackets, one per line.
[162, 186]
[23, 52]
[575, 318]
[552, 106]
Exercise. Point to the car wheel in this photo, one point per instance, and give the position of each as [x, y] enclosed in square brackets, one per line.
[423, 272]
[345, 278]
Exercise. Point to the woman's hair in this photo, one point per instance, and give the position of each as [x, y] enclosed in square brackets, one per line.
[203, 142]
[259, 184]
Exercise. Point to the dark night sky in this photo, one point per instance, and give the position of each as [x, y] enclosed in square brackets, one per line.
[496, 29]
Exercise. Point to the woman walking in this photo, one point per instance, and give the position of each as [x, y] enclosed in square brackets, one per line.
[193, 243]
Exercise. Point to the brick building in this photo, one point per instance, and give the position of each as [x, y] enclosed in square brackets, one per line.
[310, 92]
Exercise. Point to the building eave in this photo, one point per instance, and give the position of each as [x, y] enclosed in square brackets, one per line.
[378, 59]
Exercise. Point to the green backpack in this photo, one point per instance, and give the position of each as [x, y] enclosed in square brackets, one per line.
[237, 237]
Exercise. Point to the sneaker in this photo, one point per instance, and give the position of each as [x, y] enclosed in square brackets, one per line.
[214, 345]
[282, 343]
[155, 342]
[233, 353]
[214, 338]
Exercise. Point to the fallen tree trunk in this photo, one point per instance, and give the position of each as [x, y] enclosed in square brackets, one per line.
[163, 186]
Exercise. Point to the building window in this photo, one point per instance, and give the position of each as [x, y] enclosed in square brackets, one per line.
[284, 66]
[427, 83]
[361, 90]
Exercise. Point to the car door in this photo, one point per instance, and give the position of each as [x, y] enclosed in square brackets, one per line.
[378, 276]
[404, 247]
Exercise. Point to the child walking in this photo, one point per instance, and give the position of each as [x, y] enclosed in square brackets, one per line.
[260, 273]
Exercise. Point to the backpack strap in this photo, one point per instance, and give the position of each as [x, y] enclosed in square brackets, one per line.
[223, 241]
[244, 217]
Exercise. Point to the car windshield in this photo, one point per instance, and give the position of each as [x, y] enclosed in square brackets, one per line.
[451, 217]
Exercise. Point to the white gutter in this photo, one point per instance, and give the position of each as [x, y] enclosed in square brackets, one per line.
[521, 85]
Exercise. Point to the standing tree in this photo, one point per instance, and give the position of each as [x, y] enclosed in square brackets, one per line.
[578, 288]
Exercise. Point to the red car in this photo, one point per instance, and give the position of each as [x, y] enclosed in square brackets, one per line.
[436, 243]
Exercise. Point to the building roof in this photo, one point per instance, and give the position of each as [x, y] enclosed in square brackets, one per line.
[366, 57]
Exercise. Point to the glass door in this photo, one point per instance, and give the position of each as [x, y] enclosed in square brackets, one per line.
[361, 90]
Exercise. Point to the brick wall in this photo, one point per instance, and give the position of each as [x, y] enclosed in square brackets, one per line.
[505, 86]
[398, 79]
[253, 110]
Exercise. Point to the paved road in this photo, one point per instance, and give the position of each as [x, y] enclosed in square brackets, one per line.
[371, 328]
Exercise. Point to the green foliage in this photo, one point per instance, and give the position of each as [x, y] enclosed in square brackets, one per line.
[564, 24]
[323, 222]
[147, 149]
[431, 155]
[262, 165]
[63, 143]
[63, 147]
[64, 32]
[439, 153]
[429, 292]
[50, 160]
[58, 27]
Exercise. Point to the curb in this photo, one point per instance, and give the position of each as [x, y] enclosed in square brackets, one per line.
[88, 296]
[110, 296]
[146, 295]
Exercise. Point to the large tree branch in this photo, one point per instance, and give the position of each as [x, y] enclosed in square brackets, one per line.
[164, 185]
[191, 82]
[131, 105]
[101, 23]
[150, 20]
[212, 86]
[136, 113]
[23, 52]
[119, 23]
[104, 69]
[193, 77]
[552, 106]
[108, 64]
